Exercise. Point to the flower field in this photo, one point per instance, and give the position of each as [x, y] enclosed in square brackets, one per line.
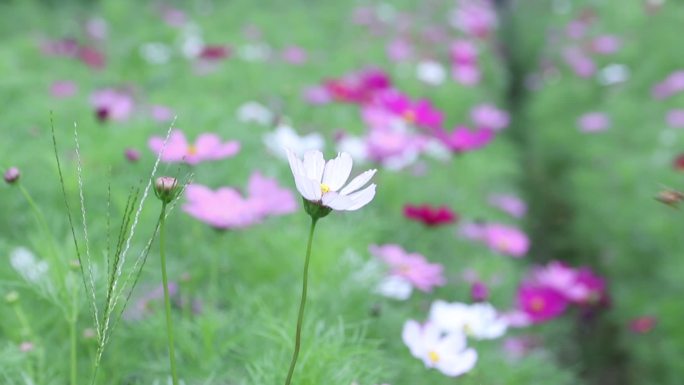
[345, 193]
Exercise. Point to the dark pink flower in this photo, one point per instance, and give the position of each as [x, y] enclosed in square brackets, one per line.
[421, 113]
[208, 146]
[643, 324]
[594, 286]
[92, 57]
[479, 292]
[413, 267]
[214, 52]
[678, 162]
[63, 89]
[132, 155]
[112, 104]
[488, 116]
[541, 304]
[463, 139]
[430, 215]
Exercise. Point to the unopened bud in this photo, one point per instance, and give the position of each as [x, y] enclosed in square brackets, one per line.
[670, 197]
[12, 175]
[166, 188]
[132, 155]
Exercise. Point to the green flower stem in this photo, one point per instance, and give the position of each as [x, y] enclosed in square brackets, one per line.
[302, 304]
[73, 335]
[167, 300]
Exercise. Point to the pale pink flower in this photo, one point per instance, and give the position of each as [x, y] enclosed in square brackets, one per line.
[510, 204]
[224, 208]
[413, 267]
[161, 113]
[594, 122]
[474, 17]
[467, 75]
[507, 240]
[63, 89]
[580, 63]
[488, 116]
[208, 146]
[268, 197]
[463, 139]
[317, 95]
[294, 55]
[561, 278]
[675, 118]
[399, 50]
[606, 44]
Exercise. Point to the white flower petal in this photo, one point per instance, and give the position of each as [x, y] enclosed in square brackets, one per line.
[295, 163]
[457, 364]
[358, 182]
[361, 198]
[337, 171]
[309, 189]
[314, 164]
[412, 337]
[337, 201]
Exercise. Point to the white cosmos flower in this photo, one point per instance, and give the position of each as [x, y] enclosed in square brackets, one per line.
[254, 112]
[323, 182]
[285, 137]
[479, 321]
[395, 287]
[354, 146]
[446, 353]
[26, 264]
[431, 72]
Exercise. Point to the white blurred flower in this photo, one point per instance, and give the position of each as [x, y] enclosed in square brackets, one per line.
[395, 287]
[613, 74]
[257, 52]
[285, 136]
[447, 353]
[254, 112]
[191, 42]
[431, 72]
[323, 183]
[479, 321]
[354, 146]
[155, 53]
[26, 264]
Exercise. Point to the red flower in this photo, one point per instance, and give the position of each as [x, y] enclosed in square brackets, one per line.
[429, 215]
[214, 52]
[642, 325]
[678, 162]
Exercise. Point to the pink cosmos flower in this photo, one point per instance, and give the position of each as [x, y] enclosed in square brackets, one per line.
[359, 87]
[463, 52]
[294, 55]
[112, 104]
[673, 84]
[92, 57]
[594, 287]
[96, 28]
[420, 113]
[60, 47]
[63, 89]
[223, 209]
[562, 278]
[463, 139]
[510, 204]
[394, 148]
[488, 116]
[214, 52]
[580, 63]
[207, 147]
[399, 50]
[413, 267]
[161, 113]
[518, 347]
[317, 95]
[576, 29]
[541, 304]
[506, 240]
[594, 122]
[173, 17]
[479, 292]
[474, 17]
[467, 75]
[675, 118]
[606, 44]
[268, 197]
[643, 325]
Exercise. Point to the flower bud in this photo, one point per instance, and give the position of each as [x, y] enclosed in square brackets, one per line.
[670, 197]
[132, 155]
[166, 188]
[11, 175]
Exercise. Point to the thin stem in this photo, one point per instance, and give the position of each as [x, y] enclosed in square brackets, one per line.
[302, 304]
[167, 301]
[72, 331]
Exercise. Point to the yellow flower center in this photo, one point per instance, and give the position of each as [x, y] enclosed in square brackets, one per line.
[467, 329]
[192, 150]
[409, 116]
[324, 188]
[433, 356]
[537, 304]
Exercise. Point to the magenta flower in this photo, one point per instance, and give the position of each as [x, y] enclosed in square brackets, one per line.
[479, 292]
[413, 267]
[594, 287]
[488, 116]
[561, 278]
[463, 52]
[63, 89]
[112, 104]
[214, 53]
[541, 304]
[132, 155]
[463, 139]
[268, 197]
[675, 118]
[92, 57]
[594, 122]
[509, 204]
[506, 240]
[360, 87]
[207, 147]
[420, 113]
[606, 44]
